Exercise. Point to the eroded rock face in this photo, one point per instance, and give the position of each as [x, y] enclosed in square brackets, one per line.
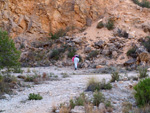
[36, 18]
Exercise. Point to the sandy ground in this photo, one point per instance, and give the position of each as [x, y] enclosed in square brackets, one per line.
[53, 92]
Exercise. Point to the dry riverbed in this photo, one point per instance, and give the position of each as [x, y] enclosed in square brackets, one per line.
[62, 90]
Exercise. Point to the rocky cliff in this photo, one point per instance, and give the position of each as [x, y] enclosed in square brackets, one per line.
[36, 18]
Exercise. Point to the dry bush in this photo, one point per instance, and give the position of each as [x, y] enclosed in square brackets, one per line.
[7, 83]
[88, 108]
[145, 109]
[64, 109]
[127, 107]
[94, 84]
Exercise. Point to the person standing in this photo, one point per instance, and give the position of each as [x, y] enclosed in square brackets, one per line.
[76, 61]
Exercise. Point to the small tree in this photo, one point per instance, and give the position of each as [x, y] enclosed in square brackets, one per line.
[9, 56]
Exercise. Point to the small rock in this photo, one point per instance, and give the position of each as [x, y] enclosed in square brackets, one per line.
[88, 21]
[85, 33]
[130, 62]
[115, 85]
[87, 50]
[122, 58]
[110, 109]
[99, 66]
[100, 44]
[120, 82]
[21, 76]
[57, 111]
[114, 54]
[77, 40]
[78, 109]
[102, 108]
[125, 78]
[114, 102]
[106, 52]
[131, 80]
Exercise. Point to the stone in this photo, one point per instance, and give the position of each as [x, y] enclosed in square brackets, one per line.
[125, 78]
[106, 52]
[78, 109]
[112, 46]
[87, 49]
[141, 49]
[110, 109]
[114, 54]
[146, 26]
[113, 39]
[21, 76]
[102, 108]
[123, 57]
[130, 62]
[99, 66]
[41, 44]
[88, 21]
[67, 63]
[77, 40]
[100, 44]
[24, 55]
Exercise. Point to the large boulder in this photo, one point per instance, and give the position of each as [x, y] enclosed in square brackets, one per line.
[100, 44]
[77, 40]
[146, 26]
[130, 62]
[87, 49]
[106, 52]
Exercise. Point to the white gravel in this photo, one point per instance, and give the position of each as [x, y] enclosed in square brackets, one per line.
[53, 92]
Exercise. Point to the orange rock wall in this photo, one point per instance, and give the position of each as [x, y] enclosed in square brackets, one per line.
[37, 18]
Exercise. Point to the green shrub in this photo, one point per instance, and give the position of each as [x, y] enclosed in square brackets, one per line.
[72, 104]
[30, 78]
[122, 33]
[143, 109]
[92, 54]
[115, 76]
[100, 25]
[17, 69]
[80, 58]
[142, 94]
[132, 52]
[108, 104]
[9, 56]
[33, 96]
[71, 52]
[142, 72]
[79, 101]
[144, 3]
[55, 54]
[146, 44]
[1, 78]
[94, 85]
[65, 75]
[127, 107]
[7, 83]
[98, 97]
[59, 33]
[104, 85]
[110, 24]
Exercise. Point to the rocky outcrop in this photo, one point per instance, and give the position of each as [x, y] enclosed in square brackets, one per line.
[36, 18]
